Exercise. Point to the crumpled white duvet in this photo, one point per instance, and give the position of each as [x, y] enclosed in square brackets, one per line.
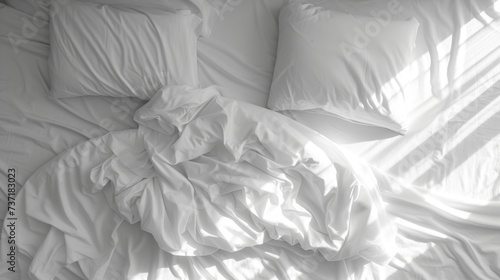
[202, 173]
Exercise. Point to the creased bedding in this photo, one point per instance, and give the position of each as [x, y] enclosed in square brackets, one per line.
[201, 173]
[209, 176]
[452, 149]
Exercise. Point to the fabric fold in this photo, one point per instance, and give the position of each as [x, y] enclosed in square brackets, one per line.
[204, 173]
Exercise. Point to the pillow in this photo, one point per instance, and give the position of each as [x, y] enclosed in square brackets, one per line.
[205, 9]
[120, 51]
[342, 65]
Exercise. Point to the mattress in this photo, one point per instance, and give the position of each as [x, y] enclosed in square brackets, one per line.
[450, 154]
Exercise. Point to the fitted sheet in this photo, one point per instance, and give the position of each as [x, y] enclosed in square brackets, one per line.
[452, 147]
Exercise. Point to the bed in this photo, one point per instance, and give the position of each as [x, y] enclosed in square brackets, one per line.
[214, 155]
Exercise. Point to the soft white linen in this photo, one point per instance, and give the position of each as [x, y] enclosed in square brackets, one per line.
[208, 173]
[343, 65]
[201, 174]
[120, 51]
[452, 93]
[206, 10]
[241, 51]
[35, 128]
[451, 147]
[455, 43]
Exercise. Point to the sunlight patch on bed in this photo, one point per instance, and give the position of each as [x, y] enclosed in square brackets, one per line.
[459, 122]
[464, 60]
[446, 209]
[476, 68]
[293, 273]
[473, 124]
[141, 276]
[249, 268]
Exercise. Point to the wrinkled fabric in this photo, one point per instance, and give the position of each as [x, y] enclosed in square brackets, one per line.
[202, 173]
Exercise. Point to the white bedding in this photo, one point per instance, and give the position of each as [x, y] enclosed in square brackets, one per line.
[451, 149]
[453, 89]
[201, 174]
[210, 174]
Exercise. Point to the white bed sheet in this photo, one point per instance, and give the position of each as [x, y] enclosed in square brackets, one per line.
[453, 95]
[241, 51]
[452, 147]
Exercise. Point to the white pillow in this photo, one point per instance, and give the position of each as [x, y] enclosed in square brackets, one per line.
[120, 51]
[342, 65]
[205, 9]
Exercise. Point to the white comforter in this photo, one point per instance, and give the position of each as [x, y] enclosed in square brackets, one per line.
[202, 173]
[209, 176]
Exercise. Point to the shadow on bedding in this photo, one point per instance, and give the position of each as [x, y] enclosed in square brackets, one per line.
[472, 132]
[465, 80]
[461, 249]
